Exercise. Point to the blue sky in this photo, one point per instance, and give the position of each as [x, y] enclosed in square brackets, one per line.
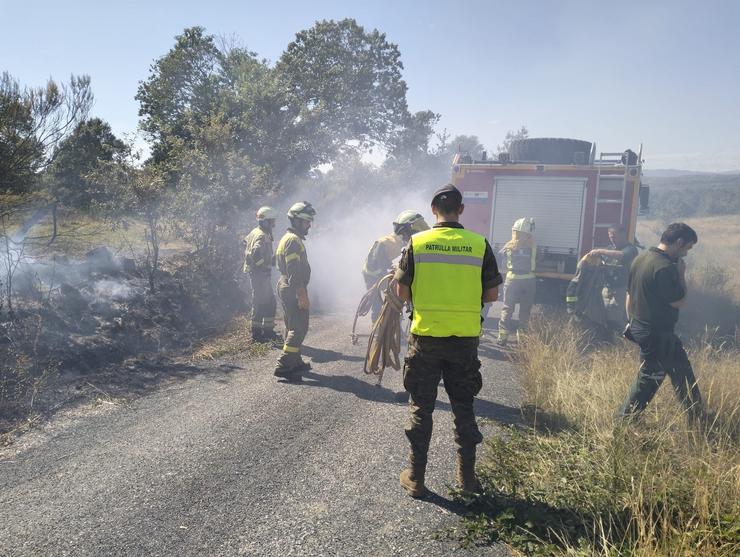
[665, 73]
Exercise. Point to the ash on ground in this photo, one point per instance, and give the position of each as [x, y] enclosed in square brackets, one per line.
[77, 318]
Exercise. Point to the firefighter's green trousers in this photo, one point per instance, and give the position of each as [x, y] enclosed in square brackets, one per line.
[516, 291]
[455, 360]
[263, 304]
[296, 326]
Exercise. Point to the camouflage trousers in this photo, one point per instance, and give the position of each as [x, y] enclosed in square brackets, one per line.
[455, 361]
[296, 326]
[263, 303]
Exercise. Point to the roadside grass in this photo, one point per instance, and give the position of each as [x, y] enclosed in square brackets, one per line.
[234, 339]
[577, 484]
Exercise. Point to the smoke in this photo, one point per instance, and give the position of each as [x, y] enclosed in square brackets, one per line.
[112, 289]
[341, 239]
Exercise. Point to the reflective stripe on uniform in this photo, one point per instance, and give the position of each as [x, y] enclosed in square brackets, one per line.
[448, 259]
[290, 349]
[291, 256]
[571, 298]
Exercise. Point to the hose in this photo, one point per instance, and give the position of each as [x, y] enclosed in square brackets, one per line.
[384, 344]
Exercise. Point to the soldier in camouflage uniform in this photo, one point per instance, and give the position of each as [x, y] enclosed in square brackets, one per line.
[449, 272]
[258, 262]
[295, 273]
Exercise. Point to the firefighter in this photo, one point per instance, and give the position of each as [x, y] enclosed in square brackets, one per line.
[448, 272]
[619, 258]
[386, 249]
[258, 263]
[656, 289]
[520, 255]
[584, 301]
[295, 272]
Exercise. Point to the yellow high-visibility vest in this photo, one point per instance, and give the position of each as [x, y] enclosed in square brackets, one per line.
[446, 288]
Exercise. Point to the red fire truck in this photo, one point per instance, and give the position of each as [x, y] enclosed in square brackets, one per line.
[573, 194]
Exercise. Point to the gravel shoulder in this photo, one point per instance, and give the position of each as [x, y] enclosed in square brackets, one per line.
[230, 462]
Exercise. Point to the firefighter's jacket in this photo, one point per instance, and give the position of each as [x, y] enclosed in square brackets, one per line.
[380, 257]
[447, 286]
[520, 262]
[292, 260]
[258, 256]
[584, 293]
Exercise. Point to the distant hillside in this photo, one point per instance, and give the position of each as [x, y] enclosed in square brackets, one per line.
[692, 181]
[671, 173]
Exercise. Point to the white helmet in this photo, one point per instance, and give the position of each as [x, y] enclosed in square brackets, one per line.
[266, 213]
[302, 210]
[524, 224]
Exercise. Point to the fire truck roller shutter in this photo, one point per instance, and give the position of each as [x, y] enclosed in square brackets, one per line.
[556, 204]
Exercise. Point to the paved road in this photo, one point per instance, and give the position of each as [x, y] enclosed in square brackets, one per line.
[229, 462]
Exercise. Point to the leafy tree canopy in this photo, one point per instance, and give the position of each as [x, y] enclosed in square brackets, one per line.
[91, 142]
[33, 121]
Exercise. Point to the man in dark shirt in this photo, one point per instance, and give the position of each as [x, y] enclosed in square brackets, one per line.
[442, 277]
[656, 289]
[618, 259]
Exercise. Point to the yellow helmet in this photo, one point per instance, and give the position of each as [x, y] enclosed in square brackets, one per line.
[524, 224]
[266, 213]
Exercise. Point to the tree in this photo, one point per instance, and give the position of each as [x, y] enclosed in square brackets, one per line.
[135, 192]
[183, 89]
[469, 144]
[33, 121]
[511, 136]
[91, 142]
[343, 86]
[412, 141]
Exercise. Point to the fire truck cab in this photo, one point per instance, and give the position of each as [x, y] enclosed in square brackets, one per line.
[573, 194]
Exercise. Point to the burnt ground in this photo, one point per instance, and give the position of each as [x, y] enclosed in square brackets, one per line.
[221, 459]
[82, 326]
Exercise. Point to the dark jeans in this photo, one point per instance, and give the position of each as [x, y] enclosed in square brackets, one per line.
[661, 354]
[455, 361]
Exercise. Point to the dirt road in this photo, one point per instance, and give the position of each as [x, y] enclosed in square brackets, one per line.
[230, 462]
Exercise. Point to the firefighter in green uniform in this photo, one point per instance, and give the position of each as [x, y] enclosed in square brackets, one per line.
[520, 255]
[618, 258]
[381, 255]
[656, 289]
[295, 272]
[447, 272]
[258, 262]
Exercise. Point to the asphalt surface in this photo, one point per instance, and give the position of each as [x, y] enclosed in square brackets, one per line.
[231, 462]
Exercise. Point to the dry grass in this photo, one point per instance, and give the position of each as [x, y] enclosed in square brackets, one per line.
[77, 231]
[234, 339]
[577, 484]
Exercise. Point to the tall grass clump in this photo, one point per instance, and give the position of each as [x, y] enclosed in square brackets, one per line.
[578, 483]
